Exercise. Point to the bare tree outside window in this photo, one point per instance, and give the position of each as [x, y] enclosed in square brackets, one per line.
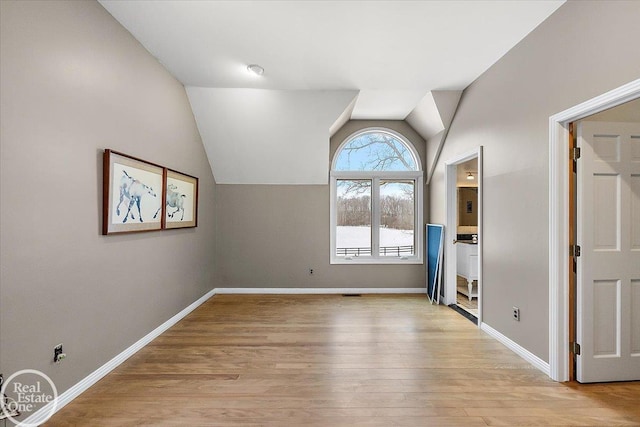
[353, 218]
[397, 217]
[382, 152]
[375, 151]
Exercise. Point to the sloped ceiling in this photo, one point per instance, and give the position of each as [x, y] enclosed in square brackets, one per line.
[283, 133]
[434, 112]
[387, 55]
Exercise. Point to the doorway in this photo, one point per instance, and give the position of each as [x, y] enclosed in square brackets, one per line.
[605, 301]
[559, 227]
[463, 235]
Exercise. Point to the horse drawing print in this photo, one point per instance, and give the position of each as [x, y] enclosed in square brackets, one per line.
[174, 200]
[132, 190]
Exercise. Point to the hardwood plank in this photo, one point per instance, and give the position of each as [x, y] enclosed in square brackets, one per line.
[377, 360]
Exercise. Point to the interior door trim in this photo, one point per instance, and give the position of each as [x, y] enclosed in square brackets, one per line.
[450, 228]
[559, 219]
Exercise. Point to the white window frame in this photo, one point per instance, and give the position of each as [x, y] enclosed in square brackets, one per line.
[375, 177]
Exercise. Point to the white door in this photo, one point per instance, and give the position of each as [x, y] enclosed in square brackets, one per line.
[608, 232]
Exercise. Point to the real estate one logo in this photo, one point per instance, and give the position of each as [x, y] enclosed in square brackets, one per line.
[24, 394]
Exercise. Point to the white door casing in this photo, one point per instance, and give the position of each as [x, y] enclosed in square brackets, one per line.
[559, 218]
[450, 229]
[608, 232]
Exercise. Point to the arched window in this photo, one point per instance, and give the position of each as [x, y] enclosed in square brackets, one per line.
[376, 200]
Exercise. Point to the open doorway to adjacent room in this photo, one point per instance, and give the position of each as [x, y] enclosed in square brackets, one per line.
[463, 230]
[467, 237]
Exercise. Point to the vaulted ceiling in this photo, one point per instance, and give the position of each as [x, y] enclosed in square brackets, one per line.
[325, 62]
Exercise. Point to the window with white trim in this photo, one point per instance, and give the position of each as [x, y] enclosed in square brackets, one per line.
[376, 200]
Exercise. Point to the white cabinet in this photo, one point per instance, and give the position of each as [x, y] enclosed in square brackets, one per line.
[467, 265]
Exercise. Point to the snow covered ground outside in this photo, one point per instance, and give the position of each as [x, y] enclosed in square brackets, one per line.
[360, 237]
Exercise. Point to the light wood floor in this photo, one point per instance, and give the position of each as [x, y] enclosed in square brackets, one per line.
[469, 306]
[462, 298]
[338, 361]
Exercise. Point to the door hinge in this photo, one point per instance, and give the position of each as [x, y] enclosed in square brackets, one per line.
[575, 153]
[574, 251]
[574, 347]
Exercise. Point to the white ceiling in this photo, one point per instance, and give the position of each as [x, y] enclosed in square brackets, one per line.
[287, 132]
[393, 53]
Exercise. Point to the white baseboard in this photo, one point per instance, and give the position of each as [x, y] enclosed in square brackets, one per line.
[45, 412]
[319, 291]
[518, 349]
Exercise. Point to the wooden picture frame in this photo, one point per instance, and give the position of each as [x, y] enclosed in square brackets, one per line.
[133, 197]
[181, 200]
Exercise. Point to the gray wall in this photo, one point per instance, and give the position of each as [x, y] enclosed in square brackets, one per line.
[581, 51]
[270, 235]
[74, 82]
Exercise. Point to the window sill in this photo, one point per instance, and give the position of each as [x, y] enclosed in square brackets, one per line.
[381, 261]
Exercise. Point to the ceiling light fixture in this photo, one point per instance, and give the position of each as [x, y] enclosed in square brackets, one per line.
[255, 69]
[470, 176]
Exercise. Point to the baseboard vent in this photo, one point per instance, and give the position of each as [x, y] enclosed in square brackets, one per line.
[351, 295]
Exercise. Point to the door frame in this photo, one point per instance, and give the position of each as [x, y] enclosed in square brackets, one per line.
[559, 219]
[450, 229]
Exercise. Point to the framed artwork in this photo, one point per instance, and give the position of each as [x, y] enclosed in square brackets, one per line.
[133, 197]
[181, 201]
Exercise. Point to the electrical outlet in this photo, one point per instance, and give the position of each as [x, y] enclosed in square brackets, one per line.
[58, 355]
[311, 272]
[516, 313]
